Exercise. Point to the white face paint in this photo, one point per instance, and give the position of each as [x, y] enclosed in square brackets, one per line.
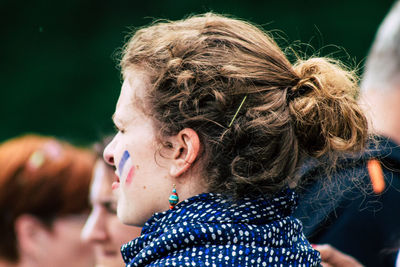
[103, 229]
[99, 172]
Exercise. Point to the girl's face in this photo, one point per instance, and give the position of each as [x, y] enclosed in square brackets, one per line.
[103, 229]
[143, 185]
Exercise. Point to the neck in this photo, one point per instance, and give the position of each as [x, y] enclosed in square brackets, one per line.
[191, 183]
[382, 108]
[190, 186]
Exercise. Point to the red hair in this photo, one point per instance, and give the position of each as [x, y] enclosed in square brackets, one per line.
[42, 177]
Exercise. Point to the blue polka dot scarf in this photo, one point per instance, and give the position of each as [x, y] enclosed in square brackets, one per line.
[209, 230]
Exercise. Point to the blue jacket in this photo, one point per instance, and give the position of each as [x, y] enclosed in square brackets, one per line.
[346, 213]
[209, 230]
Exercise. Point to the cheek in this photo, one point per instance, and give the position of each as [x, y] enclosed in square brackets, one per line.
[130, 175]
[126, 168]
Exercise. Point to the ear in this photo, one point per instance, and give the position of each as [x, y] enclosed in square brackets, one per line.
[31, 235]
[186, 146]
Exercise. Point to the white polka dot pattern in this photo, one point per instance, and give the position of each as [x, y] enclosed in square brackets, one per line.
[210, 230]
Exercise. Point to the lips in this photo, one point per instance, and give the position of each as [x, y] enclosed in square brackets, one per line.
[115, 184]
[110, 253]
[105, 251]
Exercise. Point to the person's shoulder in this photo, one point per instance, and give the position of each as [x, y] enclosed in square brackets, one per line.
[382, 149]
[370, 180]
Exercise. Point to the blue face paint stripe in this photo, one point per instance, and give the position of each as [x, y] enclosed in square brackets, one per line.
[124, 158]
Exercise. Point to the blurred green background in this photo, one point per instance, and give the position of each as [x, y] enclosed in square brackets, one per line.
[58, 72]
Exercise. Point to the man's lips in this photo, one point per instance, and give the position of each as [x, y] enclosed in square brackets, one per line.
[115, 184]
[108, 252]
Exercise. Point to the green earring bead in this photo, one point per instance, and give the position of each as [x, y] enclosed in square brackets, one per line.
[173, 198]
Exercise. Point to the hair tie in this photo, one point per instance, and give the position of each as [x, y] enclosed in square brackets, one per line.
[292, 95]
[36, 160]
[52, 150]
[301, 88]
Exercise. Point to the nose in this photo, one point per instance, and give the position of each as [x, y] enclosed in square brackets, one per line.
[94, 230]
[108, 154]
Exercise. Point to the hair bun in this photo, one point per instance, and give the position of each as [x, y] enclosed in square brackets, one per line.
[326, 114]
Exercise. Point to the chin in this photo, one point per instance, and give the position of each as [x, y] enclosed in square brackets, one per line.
[127, 216]
[123, 216]
[128, 220]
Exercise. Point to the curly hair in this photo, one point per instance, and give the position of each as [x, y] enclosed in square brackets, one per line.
[202, 67]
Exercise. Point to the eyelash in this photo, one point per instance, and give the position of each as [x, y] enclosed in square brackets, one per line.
[110, 207]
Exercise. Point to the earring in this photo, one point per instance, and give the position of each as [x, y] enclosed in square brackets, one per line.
[173, 198]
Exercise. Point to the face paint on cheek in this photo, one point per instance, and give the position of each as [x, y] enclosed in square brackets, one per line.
[126, 168]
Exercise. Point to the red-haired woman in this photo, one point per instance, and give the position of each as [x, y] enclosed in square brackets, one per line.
[44, 186]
